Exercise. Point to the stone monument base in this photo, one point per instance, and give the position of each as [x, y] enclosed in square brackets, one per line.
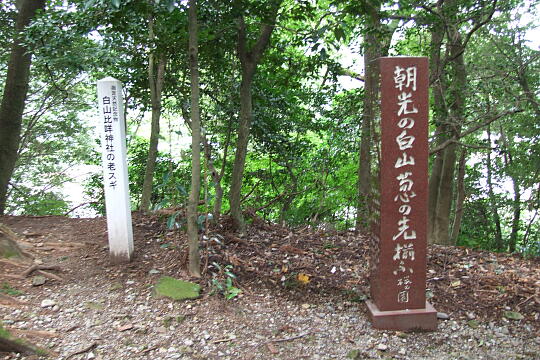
[403, 320]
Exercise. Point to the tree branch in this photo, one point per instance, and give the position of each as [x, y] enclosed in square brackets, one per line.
[471, 130]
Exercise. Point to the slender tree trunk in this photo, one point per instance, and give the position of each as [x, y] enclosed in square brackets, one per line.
[492, 200]
[14, 97]
[371, 53]
[442, 179]
[292, 190]
[445, 197]
[249, 59]
[193, 231]
[376, 44]
[9, 246]
[438, 86]
[241, 150]
[460, 198]
[516, 204]
[155, 80]
[216, 177]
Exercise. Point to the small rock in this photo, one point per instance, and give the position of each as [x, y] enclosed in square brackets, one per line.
[305, 306]
[188, 342]
[90, 356]
[125, 327]
[470, 316]
[56, 308]
[154, 271]
[48, 303]
[443, 316]
[382, 347]
[38, 280]
[402, 351]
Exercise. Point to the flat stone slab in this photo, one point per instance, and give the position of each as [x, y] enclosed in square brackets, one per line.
[403, 320]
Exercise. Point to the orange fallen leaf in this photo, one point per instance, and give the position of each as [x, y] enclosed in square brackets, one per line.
[303, 278]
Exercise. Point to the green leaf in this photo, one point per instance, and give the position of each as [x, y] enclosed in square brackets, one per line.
[339, 33]
[116, 3]
[181, 189]
[473, 324]
[171, 221]
[513, 315]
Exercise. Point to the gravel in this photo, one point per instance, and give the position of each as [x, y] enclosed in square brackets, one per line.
[129, 323]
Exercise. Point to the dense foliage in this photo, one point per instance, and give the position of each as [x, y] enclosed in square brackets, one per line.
[307, 108]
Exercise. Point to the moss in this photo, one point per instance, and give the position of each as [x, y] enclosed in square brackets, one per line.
[5, 288]
[4, 333]
[12, 344]
[176, 289]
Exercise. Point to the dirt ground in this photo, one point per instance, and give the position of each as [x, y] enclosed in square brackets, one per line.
[302, 297]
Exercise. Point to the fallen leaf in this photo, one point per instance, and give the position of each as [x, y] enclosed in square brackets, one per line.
[272, 348]
[473, 324]
[513, 315]
[303, 278]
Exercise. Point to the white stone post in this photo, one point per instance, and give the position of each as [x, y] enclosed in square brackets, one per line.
[115, 177]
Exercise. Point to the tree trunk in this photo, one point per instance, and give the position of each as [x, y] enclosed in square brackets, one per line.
[442, 177]
[155, 81]
[8, 244]
[216, 178]
[193, 230]
[376, 44]
[241, 150]
[371, 53]
[492, 201]
[14, 96]
[249, 59]
[516, 204]
[438, 87]
[445, 197]
[460, 198]
[15, 346]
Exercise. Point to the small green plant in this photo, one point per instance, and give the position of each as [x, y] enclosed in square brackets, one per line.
[9, 290]
[223, 281]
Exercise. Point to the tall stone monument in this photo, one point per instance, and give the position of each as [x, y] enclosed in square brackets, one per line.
[115, 177]
[399, 226]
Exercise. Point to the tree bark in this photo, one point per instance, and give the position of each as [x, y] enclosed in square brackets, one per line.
[440, 114]
[249, 59]
[460, 198]
[15, 346]
[376, 44]
[8, 244]
[193, 230]
[445, 162]
[492, 201]
[156, 74]
[516, 204]
[371, 54]
[14, 97]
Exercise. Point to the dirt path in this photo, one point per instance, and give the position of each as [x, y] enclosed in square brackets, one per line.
[109, 312]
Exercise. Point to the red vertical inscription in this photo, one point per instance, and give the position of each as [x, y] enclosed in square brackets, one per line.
[398, 280]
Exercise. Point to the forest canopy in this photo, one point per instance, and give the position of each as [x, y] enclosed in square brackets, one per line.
[281, 98]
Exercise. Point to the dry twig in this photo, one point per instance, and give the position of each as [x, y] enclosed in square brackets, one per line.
[82, 350]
